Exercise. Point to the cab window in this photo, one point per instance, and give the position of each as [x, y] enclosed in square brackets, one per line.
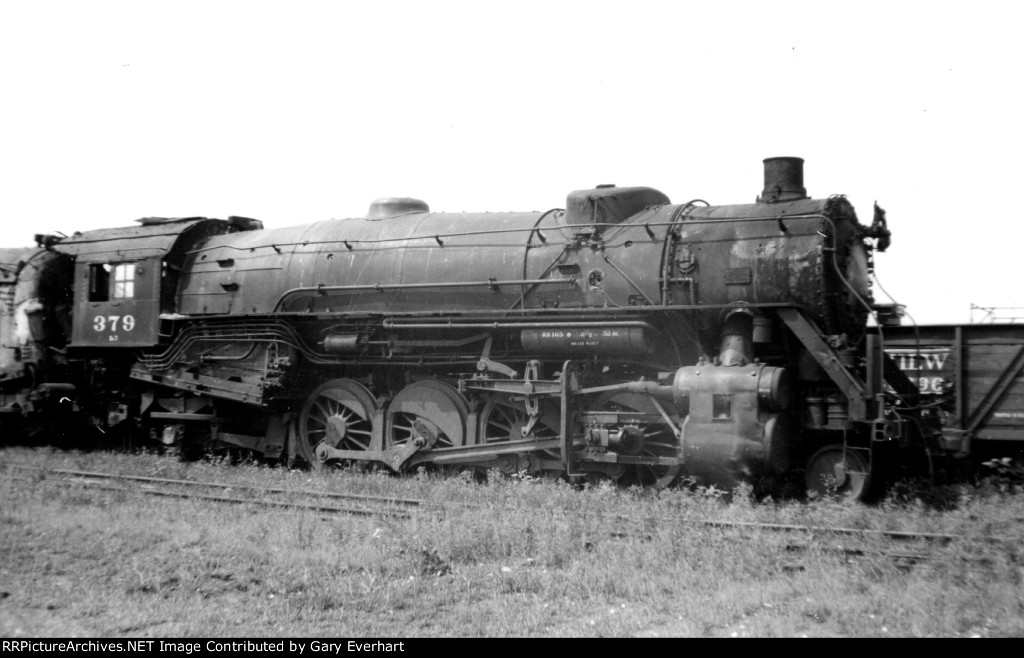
[124, 281]
[108, 282]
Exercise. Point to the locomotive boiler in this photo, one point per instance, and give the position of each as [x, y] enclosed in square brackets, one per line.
[622, 337]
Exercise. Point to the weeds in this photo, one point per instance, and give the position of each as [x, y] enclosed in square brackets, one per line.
[527, 557]
[1005, 475]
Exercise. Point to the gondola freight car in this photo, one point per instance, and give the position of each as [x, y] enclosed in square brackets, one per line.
[971, 379]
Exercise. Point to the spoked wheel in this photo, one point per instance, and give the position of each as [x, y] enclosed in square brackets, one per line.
[503, 419]
[431, 413]
[338, 414]
[659, 440]
[840, 472]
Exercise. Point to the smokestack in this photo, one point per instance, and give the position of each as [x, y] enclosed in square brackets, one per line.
[783, 180]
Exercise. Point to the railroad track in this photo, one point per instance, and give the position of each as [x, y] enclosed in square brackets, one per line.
[340, 503]
[862, 542]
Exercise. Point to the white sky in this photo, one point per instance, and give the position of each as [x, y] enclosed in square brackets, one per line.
[299, 111]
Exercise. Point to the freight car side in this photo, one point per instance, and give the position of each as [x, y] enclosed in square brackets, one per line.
[972, 377]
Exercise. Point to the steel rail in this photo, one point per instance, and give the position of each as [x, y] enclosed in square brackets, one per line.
[414, 503]
[191, 495]
[847, 552]
[86, 476]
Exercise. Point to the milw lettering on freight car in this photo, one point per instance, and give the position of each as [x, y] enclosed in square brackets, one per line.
[921, 360]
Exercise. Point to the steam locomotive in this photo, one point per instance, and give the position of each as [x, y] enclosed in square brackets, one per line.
[623, 337]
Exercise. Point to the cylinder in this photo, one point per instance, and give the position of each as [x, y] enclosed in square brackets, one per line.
[344, 343]
[773, 389]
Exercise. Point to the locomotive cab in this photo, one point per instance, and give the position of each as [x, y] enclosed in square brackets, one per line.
[118, 302]
[125, 278]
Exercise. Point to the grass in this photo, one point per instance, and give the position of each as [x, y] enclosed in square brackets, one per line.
[530, 558]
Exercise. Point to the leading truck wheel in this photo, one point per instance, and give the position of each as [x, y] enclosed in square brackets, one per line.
[338, 414]
[839, 472]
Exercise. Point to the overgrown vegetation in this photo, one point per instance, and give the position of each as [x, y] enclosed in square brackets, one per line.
[523, 557]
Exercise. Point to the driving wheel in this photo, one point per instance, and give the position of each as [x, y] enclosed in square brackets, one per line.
[338, 414]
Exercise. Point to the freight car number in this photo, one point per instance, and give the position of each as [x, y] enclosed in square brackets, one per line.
[112, 323]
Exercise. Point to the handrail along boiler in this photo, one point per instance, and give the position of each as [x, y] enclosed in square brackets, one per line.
[622, 337]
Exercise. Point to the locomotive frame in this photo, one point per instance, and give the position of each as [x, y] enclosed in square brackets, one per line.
[623, 337]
